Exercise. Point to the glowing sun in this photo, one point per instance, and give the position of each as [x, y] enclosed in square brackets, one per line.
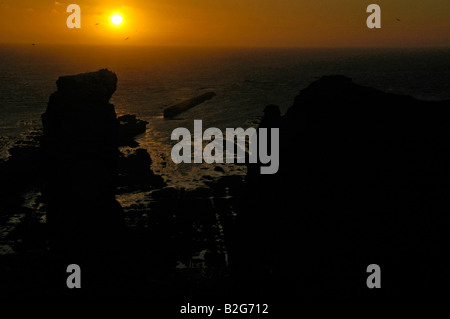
[116, 19]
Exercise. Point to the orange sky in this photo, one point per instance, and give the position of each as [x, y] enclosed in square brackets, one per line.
[266, 23]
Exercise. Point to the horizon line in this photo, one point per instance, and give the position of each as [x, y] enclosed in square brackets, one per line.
[228, 46]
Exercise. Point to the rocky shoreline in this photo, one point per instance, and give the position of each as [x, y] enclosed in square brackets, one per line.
[181, 231]
[361, 172]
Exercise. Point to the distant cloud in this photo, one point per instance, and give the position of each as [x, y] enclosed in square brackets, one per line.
[54, 11]
[58, 3]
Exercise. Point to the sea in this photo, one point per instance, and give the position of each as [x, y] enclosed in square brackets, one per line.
[151, 79]
[245, 80]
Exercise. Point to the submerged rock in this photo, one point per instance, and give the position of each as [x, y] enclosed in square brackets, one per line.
[188, 104]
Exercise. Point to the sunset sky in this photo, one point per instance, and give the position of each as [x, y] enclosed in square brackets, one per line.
[259, 23]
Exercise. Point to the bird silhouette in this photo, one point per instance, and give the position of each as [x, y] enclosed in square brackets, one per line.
[126, 38]
[398, 19]
[33, 44]
[97, 23]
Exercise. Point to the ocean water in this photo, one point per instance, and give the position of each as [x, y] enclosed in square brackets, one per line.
[245, 81]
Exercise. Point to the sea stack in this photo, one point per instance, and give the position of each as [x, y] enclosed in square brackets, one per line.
[80, 153]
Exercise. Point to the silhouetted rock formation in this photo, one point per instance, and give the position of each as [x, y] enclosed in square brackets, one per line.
[20, 172]
[129, 127]
[364, 179]
[80, 155]
[135, 173]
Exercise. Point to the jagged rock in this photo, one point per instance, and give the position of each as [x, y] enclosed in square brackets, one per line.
[135, 172]
[129, 128]
[20, 172]
[93, 87]
[80, 154]
[361, 174]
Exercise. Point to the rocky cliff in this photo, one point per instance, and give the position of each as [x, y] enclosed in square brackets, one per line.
[364, 178]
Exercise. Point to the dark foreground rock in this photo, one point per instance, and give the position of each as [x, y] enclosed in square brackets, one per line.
[80, 155]
[82, 167]
[364, 179]
[20, 172]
